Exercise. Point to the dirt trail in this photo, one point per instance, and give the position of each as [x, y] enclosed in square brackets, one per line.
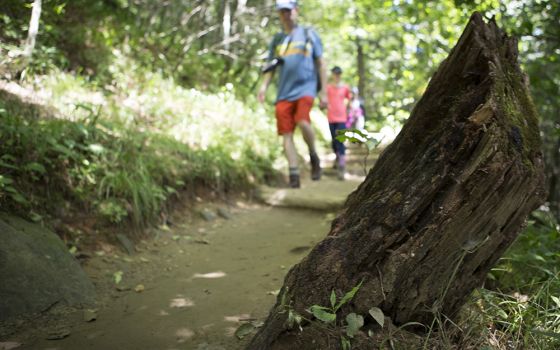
[197, 282]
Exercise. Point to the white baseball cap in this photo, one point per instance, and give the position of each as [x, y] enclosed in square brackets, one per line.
[286, 4]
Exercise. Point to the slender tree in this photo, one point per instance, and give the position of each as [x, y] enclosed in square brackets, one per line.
[33, 29]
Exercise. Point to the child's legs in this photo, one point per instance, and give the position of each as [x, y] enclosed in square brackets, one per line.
[338, 146]
[332, 128]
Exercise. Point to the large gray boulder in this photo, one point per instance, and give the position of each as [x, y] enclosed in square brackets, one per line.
[37, 271]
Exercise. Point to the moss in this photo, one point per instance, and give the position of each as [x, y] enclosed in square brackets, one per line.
[519, 114]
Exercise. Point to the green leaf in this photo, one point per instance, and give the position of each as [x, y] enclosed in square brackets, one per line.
[59, 9]
[96, 148]
[377, 315]
[244, 330]
[372, 144]
[294, 319]
[355, 322]
[35, 217]
[11, 189]
[8, 166]
[346, 345]
[348, 296]
[117, 276]
[34, 166]
[19, 198]
[548, 334]
[8, 157]
[322, 313]
[6, 180]
[333, 298]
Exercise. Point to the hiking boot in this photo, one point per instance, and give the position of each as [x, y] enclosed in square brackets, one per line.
[294, 181]
[315, 167]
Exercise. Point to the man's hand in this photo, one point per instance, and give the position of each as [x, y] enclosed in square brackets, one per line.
[267, 77]
[261, 94]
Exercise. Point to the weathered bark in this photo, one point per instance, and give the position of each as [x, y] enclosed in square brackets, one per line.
[438, 209]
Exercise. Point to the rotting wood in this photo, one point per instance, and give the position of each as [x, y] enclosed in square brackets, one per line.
[438, 209]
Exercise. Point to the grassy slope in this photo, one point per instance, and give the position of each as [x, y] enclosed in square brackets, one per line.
[122, 154]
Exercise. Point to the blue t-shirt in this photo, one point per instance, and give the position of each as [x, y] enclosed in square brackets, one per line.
[298, 74]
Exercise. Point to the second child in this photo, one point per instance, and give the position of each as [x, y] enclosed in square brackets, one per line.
[338, 97]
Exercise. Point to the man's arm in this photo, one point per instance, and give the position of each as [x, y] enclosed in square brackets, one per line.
[267, 78]
[321, 66]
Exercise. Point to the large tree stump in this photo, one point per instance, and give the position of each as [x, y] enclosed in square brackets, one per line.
[439, 208]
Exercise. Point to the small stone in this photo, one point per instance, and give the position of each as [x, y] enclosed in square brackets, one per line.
[126, 243]
[90, 315]
[223, 212]
[139, 288]
[58, 334]
[208, 215]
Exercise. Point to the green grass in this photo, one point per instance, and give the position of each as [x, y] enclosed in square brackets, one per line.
[523, 307]
[121, 155]
[519, 308]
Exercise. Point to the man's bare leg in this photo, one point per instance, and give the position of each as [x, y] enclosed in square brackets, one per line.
[291, 155]
[309, 137]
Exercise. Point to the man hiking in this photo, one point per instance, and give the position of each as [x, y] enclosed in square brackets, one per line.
[296, 53]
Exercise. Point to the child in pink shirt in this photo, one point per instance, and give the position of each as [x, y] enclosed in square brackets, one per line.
[338, 96]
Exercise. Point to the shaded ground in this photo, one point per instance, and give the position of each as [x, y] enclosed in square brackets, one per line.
[194, 284]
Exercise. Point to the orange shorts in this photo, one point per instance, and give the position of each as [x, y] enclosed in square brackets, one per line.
[289, 113]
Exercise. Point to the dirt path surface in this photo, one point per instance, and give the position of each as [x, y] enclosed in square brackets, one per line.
[198, 281]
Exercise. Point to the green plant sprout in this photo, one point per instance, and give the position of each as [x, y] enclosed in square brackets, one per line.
[360, 137]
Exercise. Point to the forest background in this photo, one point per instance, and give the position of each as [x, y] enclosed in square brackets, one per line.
[135, 101]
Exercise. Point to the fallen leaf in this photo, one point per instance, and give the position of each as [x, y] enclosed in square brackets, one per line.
[237, 318]
[183, 334]
[181, 302]
[377, 315]
[202, 241]
[217, 274]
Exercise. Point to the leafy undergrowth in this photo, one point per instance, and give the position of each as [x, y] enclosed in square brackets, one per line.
[522, 309]
[121, 153]
[519, 308]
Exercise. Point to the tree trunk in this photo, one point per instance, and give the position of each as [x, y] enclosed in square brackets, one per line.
[439, 208]
[360, 61]
[33, 29]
